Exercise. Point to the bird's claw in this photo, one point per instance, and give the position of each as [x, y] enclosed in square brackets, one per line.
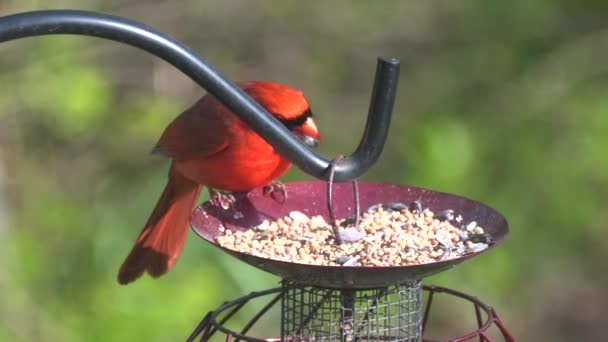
[222, 199]
[276, 187]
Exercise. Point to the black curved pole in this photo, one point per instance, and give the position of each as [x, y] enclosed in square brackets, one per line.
[126, 31]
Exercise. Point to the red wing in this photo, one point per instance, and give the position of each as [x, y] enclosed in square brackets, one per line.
[200, 131]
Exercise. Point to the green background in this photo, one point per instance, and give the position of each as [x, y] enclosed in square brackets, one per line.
[501, 101]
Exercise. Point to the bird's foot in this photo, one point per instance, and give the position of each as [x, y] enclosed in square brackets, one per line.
[226, 200]
[274, 188]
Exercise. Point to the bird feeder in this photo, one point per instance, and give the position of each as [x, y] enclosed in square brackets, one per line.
[344, 303]
[316, 303]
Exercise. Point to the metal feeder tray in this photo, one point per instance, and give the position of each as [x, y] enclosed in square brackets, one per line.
[208, 221]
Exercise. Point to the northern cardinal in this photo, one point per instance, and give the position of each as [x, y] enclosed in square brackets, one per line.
[210, 146]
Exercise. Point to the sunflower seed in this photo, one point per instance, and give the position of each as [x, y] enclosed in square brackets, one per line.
[374, 207]
[445, 215]
[416, 207]
[444, 241]
[343, 260]
[477, 247]
[480, 238]
[397, 206]
[350, 235]
[352, 262]
[464, 236]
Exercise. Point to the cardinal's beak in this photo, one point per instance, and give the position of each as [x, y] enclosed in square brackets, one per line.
[309, 133]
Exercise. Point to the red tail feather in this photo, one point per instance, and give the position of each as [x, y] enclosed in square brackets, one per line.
[161, 241]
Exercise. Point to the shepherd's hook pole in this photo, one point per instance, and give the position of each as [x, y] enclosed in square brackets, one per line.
[132, 33]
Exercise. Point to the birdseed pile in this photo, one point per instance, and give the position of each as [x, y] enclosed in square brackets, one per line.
[394, 234]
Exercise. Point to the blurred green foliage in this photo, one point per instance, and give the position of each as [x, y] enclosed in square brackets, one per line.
[504, 102]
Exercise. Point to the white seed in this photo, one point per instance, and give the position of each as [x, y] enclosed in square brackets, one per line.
[299, 216]
[478, 230]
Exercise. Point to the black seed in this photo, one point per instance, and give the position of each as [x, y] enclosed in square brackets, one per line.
[445, 215]
[374, 207]
[416, 206]
[348, 222]
[480, 238]
[398, 206]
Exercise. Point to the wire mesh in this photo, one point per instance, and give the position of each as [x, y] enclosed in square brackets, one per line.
[392, 313]
[214, 322]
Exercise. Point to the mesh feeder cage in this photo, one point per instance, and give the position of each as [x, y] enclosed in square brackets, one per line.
[343, 303]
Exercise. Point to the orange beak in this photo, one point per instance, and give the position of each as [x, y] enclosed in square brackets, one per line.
[308, 133]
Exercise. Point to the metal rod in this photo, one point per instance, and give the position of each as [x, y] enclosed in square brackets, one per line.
[376, 302]
[478, 316]
[229, 315]
[314, 310]
[427, 311]
[357, 203]
[505, 333]
[200, 327]
[348, 312]
[207, 333]
[485, 308]
[132, 33]
[261, 313]
[330, 204]
[239, 302]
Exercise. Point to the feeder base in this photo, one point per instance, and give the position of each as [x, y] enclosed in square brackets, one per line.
[215, 322]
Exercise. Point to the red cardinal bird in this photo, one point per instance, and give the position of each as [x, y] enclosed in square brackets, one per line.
[210, 146]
